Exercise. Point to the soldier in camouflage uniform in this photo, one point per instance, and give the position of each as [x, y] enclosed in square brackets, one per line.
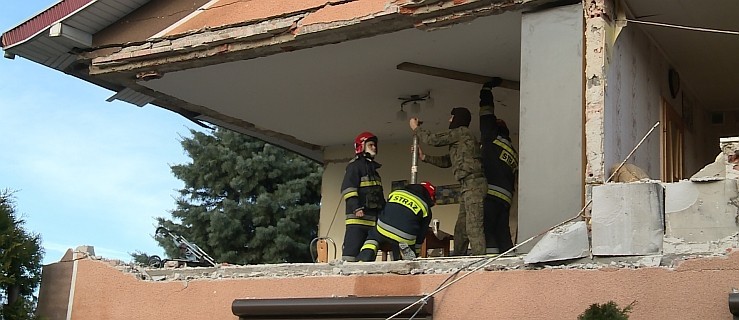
[465, 160]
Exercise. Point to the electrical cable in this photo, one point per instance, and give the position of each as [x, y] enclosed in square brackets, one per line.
[446, 283]
[418, 310]
[310, 246]
[668, 25]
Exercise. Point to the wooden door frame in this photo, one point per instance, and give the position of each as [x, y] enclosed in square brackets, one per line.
[671, 170]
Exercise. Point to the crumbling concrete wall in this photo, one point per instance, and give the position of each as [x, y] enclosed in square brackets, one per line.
[103, 291]
[599, 26]
[702, 214]
[701, 211]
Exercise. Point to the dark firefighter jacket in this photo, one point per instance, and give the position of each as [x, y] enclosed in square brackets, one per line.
[499, 158]
[406, 216]
[362, 190]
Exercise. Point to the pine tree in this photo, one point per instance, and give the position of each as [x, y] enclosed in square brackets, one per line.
[245, 201]
[20, 263]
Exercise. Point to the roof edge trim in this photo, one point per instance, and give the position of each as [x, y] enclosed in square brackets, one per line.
[42, 21]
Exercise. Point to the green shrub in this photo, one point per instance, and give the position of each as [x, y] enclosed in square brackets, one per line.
[606, 311]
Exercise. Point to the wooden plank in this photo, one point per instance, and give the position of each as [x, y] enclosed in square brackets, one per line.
[455, 75]
[322, 248]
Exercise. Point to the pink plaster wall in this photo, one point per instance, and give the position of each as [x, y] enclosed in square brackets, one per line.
[695, 290]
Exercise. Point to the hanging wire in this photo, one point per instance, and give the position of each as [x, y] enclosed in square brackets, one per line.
[314, 253]
[668, 25]
[420, 306]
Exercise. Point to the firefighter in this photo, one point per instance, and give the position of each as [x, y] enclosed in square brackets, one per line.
[403, 222]
[500, 163]
[465, 160]
[362, 192]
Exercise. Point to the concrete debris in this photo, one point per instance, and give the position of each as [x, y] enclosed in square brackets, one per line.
[726, 165]
[443, 266]
[84, 252]
[730, 147]
[627, 219]
[679, 246]
[713, 171]
[567, 242]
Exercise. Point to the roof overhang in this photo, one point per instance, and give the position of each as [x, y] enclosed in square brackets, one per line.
[54, 36]
[241, 76]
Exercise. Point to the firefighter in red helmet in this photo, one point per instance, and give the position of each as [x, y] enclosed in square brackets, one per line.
[362, 192]
[403, 223]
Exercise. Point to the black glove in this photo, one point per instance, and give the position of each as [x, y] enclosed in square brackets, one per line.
[486, 96]
[494, 82]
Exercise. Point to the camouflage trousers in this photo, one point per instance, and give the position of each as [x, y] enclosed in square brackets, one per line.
[468, 231]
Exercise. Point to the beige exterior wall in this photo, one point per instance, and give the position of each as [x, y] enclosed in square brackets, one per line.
[696, 289]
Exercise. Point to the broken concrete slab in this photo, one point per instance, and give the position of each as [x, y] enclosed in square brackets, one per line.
[713, 171]
[724, 166]
[84, 252]
[627, 219]
[701, 211]
[566, 242]
[677, 246]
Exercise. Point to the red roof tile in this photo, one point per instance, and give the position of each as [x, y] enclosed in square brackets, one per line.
[41, 21]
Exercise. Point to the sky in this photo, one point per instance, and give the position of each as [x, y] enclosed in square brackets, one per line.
[84, 171]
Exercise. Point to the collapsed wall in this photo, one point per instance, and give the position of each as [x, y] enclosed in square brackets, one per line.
[649, 217]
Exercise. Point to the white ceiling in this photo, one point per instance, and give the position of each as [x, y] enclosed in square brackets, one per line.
[326, 95]
[708, 62]
[336, 91]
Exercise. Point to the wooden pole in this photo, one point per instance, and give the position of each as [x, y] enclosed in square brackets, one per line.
[455, 75]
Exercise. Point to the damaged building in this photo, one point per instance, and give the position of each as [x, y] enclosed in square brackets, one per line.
[585, 81]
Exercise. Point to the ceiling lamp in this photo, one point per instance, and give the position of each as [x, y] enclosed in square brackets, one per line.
[414, 101]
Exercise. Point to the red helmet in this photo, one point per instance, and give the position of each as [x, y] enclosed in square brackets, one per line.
[361, 139]
[431, 190]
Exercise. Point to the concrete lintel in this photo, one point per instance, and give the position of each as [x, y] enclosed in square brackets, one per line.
[277, 35]
[434, 17]
[197, 113]
[291, 143]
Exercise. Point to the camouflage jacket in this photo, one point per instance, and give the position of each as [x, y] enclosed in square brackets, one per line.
[464, 151]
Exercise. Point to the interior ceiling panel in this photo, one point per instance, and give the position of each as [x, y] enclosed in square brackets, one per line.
[326, 95]
[707, 61]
